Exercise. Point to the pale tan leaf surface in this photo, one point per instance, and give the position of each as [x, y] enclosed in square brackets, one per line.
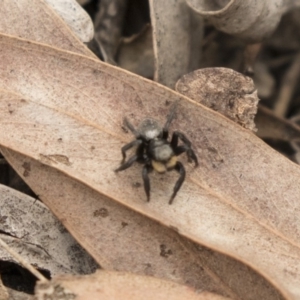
[114, 285]
[30, 229]
[177, 36]
[223, 90]
[249, 20]
[3, 291]
[234, 202]
[121, 239]
[36, 21]
[76, 17]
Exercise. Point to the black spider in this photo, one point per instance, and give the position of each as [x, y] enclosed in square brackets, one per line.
[155, 152]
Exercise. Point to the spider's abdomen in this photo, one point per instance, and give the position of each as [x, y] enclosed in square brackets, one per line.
[162, 152]
[162, 155]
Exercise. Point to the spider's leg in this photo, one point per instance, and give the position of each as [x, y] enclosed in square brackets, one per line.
[187, 145]
[169, 120]
[179, 150]
[129, 146]
[146, 170]
[140, 154]
[130, 127]
[128, 163]
[180, 169]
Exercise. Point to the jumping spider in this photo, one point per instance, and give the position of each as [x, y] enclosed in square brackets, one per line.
[156, 152]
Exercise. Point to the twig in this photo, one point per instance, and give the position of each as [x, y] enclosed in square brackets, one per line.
[26, 265]
[289, 83]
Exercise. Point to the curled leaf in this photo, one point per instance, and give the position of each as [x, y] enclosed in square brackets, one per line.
[223, 90]
[247, 19]
[177, 36]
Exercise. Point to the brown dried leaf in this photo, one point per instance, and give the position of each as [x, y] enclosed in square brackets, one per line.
[29, 228]
[113, 286]
[36, 21]
[223, 90]
[75, 17]
[252, 21]
[233, 203]
[177, 36]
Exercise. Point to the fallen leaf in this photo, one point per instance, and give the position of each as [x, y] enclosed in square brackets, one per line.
[233, 203]
[36, 21]
[29, 228]
[224, 90]
[177, 36]
[113, 286]
[76, 17]
[247, 20]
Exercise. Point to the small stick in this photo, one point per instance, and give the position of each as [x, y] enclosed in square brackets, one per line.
[26, 265]
[289, 83]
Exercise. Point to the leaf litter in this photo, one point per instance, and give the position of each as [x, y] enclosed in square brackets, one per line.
[142, 113]
[206, 189]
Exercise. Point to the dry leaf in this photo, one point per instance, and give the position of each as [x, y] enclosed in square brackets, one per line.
[113, 286]
[233, 203]
[252, 21]
[76, 17]
[23, 18]
[177, 36]
[223, 90]
[30, 229]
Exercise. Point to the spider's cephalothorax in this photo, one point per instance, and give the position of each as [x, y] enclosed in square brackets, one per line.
[156, 152]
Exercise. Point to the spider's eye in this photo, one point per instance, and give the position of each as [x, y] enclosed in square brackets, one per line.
[149, 129]
[151, 134]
